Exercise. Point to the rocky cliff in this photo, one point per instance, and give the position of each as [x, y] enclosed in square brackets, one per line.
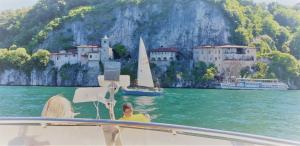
[170, 23]
[71, 75]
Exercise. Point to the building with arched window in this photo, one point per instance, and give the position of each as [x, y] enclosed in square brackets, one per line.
[229, 59]
[163, 55]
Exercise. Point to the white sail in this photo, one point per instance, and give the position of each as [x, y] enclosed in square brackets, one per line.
[144, 76]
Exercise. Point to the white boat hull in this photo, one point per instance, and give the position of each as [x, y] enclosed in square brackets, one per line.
[241, 86]
[24, 131]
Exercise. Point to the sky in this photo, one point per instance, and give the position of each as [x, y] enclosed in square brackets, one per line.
[15, 4]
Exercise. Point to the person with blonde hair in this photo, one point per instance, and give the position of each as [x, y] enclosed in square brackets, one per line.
[58, 107]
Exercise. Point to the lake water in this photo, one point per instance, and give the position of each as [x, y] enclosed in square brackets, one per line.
[269, 113]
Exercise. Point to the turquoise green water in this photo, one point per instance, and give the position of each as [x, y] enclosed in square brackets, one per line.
[269, 113]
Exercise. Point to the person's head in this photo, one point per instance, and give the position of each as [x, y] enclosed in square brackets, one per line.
[58, 107]
[127, 109]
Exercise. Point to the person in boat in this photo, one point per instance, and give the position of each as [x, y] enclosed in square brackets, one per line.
[58, 107]
[129, 116]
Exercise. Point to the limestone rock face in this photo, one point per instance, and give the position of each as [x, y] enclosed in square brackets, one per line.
[74, 76]
[13, 77]
[170, 23]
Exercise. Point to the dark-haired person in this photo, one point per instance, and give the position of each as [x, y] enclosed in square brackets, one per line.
[129, 116]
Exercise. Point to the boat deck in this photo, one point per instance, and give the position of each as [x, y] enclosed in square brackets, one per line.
[109, 133]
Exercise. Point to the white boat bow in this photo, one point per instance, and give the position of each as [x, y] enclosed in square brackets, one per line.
[43, 131]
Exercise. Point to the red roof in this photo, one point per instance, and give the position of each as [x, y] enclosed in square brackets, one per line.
[223, 47]
[165, 50]
[87, 46]
[63, 53]
[72, 50]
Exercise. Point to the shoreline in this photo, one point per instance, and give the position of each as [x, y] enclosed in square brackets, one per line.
[162, 88]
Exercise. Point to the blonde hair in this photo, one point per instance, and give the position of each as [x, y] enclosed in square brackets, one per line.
[58, 107]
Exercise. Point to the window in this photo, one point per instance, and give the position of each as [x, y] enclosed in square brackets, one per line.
[91, 56]
[171, 58]
[165, 59]
[159, 59]
[240, 51]
[153, 59]
[57, 58]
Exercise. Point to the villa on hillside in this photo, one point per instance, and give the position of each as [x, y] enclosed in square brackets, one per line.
[162, 57]
[89, 55]
[229, 59]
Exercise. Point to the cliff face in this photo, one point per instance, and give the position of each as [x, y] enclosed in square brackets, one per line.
[13, 77]
[171, 23]
[75, 76]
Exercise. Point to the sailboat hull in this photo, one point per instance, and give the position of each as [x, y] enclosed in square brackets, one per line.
[141, 92]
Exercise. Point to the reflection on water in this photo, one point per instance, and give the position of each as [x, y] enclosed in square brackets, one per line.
[145, 101]
[145, 105]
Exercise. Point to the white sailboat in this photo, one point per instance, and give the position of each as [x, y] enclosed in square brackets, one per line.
[144, 76]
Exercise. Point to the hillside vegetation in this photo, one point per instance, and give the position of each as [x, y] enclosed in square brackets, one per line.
[273, 28]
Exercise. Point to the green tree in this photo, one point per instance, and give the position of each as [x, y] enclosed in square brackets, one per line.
[295, 45]
[271, 27]
[120, 50]
[242, 33]
[199, 70]
[209, 74]
[171, 74]
[261, 70]
[18, 58]
[282, 38]
[3, 59]
[284, 65]
[285, 16]
[40, 59]
[265, 44]
[245, 72]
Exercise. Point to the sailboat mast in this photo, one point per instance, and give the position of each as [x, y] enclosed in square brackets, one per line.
[144, 75]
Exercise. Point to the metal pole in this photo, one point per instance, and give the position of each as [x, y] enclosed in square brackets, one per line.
[112, 101]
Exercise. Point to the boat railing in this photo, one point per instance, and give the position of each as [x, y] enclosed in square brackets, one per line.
[175, 129]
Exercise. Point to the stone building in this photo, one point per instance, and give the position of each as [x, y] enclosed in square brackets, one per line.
[229, 59]
[162, 57]
[106, 52]
[64, 57]
[89, 55]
